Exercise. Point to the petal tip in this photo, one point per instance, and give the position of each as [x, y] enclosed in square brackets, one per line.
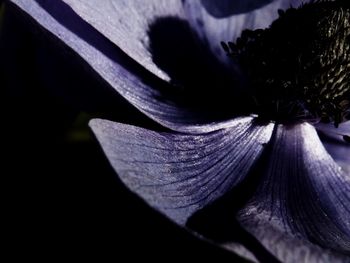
[98, 126]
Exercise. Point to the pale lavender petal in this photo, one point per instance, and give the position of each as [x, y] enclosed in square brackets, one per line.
[300, 211]
[212, 30]
[152, 96]
[126, 23]
[225, 8]
[334, 132]
[336, 142]
[178, 174]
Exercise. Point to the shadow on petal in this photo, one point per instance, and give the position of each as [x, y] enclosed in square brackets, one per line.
[218, 221]
[205, 82]
[66, 17]
[336, 143]
[301, 208]
[225, 8]
[179, 174]
[292, 206]
[36, 64]
[172, 108]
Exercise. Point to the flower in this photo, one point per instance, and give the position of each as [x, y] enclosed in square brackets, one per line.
[296, 202]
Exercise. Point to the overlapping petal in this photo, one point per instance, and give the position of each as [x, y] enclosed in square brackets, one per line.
[152, 96]
[226, 8]
[249, 15]
[336, 142]
[214, 21]
[301, 205]
[300, 211]
[126, 23]
[179, 174]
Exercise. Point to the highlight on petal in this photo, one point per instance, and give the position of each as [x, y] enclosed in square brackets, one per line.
[126, 23]
[336, 142]
[176, 173]
[225, 8]
[300, 212]
[152, 96]
[212, 30]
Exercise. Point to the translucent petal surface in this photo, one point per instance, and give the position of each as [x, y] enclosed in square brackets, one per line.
[126, 23]
[212, 30]
[142, 89]
[226, 8]
[336, 142]
[179, 174]
[301, 208]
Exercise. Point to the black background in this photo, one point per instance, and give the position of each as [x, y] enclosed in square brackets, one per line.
[61, 197]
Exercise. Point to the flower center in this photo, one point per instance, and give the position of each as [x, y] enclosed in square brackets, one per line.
[299, 68]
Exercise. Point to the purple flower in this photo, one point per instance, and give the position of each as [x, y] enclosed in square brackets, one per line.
[211, 168]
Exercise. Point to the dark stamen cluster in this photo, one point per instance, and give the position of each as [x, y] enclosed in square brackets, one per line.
[299, 68]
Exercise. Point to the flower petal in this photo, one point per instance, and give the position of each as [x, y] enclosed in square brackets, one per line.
[126, 23]
[155, 35]
[152, 96]
[179, 174]
[300, 211]
[336, 142]
[225, 8]
[212, 30]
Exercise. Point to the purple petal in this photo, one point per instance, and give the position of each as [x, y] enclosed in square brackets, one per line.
[213, 30]
[158, 36]
[225, 8]
[168, 106]
[126, 23]
[336, 142]
[300, 211]
[179, 174]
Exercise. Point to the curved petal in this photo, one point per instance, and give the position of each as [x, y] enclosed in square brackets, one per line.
[126, 23]
[300, 211]
[179, 174]
[336, 142]
[212, 30]
[225, 8]
[152, 96]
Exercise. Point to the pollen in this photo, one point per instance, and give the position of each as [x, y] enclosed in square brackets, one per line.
[299, 67]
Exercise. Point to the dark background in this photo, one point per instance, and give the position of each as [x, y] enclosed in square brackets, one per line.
[62, 199]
